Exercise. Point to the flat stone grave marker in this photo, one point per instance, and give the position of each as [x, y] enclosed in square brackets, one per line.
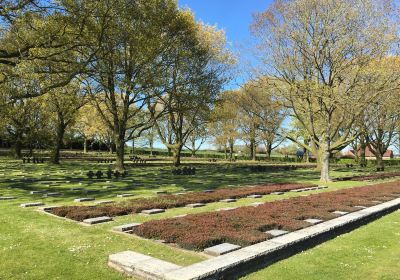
[360, 207]
[48, 208]
[297, 190]
[161, 192]
[255, 196]
[195, 205]
[53, 194]
[125, 195]
[7, 197]
[255, 204]
[109, 187]
[104, 202]
[208, 191]
[313, 221]
[227, 209]
[31, 204]
[127, 227]
[221, 249]
[83, 199]
[228, 200]
[340, 213]
[77, 189]
[180, 193]
[153, 211]
[277, 193]
[180, 216]
[98, 220]
[276, 232]
[36, 192]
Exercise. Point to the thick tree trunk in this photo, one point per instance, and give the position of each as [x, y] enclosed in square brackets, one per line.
[306, 157]
[18, 148]
[324, 161]
[177, 156]
[268, 151]
[120, 152]
[55, 158]
[379, 161]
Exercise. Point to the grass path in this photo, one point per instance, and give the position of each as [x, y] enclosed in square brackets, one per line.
[370, 252]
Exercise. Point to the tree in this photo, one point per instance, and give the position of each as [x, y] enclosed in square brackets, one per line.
[37, 39]
[87, 124]
[266, 113]
[324, 59]
[63, 104]
[127, 63]
[193, 78]
[224, 125]
[197, 138]
[382, 127]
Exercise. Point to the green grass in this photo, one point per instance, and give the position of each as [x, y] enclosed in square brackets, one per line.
[371, 252]
[35, 245]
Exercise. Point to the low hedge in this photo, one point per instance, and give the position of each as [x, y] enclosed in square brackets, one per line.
[247, 225]
[79, 213]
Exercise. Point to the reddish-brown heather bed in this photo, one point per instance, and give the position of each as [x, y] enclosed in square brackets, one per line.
[374, 176]
[79, 213]
[247, 225]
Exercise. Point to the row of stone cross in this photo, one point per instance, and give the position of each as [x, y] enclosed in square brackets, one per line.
[33, 159]
[99, 174]
[105, 160]
[264, 168]
[136, 159]
[184, 171]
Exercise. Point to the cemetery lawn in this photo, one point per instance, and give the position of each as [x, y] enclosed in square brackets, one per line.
[34, 245]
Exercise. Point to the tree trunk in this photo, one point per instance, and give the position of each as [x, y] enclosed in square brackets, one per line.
[226, 151]
[268, 151]
[306, 157]
[85, 145]
[120, 152]
[324, 161]
[177, 156]
[18, 148]
[379, 160]
[253, 149]
[363, 147]
[151, 147]
[231, 144]
[193, 147]
[55, 158]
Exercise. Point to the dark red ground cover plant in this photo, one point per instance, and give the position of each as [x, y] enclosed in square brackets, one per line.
[79, 213]
[247, 225]
[374, 176]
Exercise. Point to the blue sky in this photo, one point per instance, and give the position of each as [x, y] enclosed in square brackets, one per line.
[234, 16]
